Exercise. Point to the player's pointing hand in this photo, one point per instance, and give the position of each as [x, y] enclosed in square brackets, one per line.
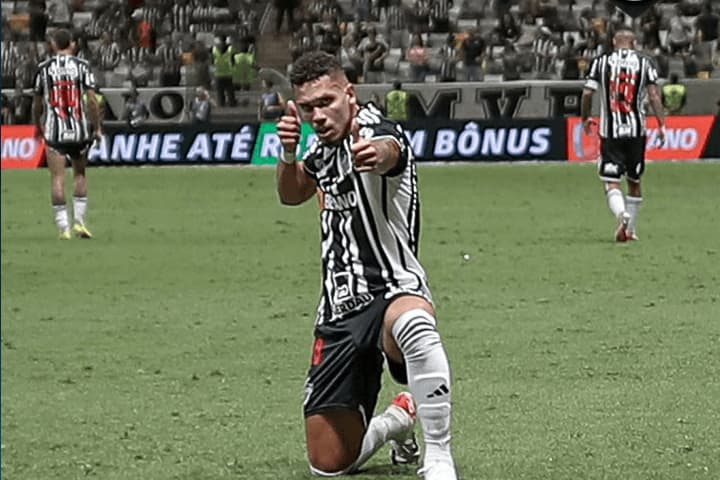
[288, 128]
[365, 154]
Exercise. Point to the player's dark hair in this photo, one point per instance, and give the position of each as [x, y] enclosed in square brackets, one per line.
[61, 38]
[313, 65]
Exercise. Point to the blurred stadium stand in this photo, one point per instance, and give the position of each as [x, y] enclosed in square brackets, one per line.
[153, 43]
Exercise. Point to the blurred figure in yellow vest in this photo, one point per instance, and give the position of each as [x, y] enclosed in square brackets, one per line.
[244, 68]
[396, 103]
[222, 54]
[100, 98]
[674, 95]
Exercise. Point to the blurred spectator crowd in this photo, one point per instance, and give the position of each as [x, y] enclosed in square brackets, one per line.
[133, 43]
[212, 44]
[486, 40]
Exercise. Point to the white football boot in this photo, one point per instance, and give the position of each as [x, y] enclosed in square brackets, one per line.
[438, 471]
[404, 449]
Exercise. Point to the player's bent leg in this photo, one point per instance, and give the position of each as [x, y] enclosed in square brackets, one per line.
[634, 202]
[80, 197]
[411, 324]
[395, 425]
[616, 203]
[404, 449]
[79, 166]
[56, 165]
[334, 439]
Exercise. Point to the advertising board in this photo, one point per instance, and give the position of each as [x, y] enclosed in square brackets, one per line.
[686, 139]
[21, 148]
[453, 140]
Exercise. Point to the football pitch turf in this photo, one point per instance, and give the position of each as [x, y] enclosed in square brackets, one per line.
[174, 345]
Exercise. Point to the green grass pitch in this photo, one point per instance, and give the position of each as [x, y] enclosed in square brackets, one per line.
[173, 346]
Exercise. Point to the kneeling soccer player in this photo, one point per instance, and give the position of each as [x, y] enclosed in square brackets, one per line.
[375, 301]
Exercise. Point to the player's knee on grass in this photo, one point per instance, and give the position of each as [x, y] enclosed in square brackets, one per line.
[330, 463]
[334, 440]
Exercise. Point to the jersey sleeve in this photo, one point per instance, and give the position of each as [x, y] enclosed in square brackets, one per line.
[38, 83]
[652, 73]
[373, 126]
[310, 159]
[88, 78]
[592, 79]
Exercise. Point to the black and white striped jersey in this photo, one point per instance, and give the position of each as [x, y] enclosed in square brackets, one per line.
[62, 81]
[621, 77]
[370, 223]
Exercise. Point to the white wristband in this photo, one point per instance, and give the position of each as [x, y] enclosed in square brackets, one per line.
[288, 157]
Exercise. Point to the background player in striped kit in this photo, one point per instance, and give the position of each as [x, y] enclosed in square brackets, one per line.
[624, 78]
[64, 102]
[375, 299]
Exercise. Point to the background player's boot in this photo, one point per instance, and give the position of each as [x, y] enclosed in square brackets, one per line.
[64, 235]
[404, 448]
[438, 471]
[631, 236]
[621, 232]
[81, 231]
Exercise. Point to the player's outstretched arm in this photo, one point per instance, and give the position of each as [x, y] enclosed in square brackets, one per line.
[38, 109]
[294, 185]
[586, 108]
[656, 104]
[377, 156]
[95, 114]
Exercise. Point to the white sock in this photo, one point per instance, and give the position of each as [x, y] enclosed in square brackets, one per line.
[382, 428]
[61, 217]
[633, 208]
[79, 208]
[616, 202]
[429, 380]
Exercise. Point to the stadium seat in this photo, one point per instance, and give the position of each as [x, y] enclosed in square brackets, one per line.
[7, 9]
[436, 40]
[80, 19]
[392, 60]
[403, 70]
[465, 24]
[206, 38]
[21, 7]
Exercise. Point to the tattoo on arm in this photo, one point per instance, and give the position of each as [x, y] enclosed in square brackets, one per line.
[388, 153]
